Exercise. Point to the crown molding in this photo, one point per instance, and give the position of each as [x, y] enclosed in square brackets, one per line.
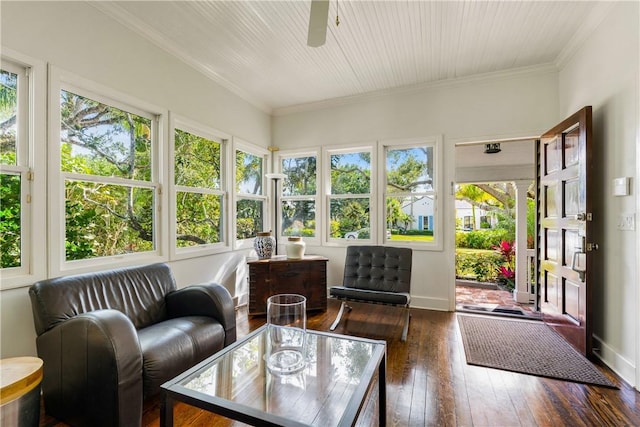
[420, 87]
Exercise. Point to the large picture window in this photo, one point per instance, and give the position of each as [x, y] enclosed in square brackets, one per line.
[106, 163]
[299, 195]
[349, 194]
[199, 187]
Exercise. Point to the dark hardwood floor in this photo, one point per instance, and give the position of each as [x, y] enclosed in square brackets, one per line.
[430, 384]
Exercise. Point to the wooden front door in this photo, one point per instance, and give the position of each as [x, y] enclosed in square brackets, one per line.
[565, 244]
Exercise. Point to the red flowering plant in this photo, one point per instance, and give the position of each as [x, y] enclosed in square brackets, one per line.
[507, 271]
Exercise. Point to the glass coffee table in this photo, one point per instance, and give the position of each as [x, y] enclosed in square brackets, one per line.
[330, 391]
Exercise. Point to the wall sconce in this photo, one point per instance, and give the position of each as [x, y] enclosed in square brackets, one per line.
[275, 177]
[492, 148]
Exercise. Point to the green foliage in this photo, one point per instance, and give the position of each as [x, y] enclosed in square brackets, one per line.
[301, 176]
[196, 161]
[482, 239]
[481, 266]
[10, 231]
[351, 173]
[80, 222]
[249, 218]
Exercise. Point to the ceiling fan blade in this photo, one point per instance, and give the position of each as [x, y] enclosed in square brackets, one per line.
[318, 23]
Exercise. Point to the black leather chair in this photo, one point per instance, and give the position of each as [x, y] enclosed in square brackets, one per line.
[376, 274]
[110, 339]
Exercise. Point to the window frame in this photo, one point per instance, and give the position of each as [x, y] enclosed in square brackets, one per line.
[289, 154]
[327, 152]
[195, 128]
[60, 79]
[239, 144]
[437, 244]
[31, 168]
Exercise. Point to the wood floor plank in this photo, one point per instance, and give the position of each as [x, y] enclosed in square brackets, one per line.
[430, 384]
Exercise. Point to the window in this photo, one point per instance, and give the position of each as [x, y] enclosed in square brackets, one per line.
[349, 194]
[299, 195]
[410, 196]
[109, 175]
[14, 169]
[250, 201]
[199, 187]
[468, 222]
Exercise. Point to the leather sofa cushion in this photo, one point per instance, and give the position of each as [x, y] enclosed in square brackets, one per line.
[175, 345]
[138, 292]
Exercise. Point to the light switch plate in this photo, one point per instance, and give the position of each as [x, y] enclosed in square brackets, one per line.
[627, 222]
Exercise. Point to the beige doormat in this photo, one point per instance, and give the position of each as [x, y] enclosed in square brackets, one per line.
[526, 347]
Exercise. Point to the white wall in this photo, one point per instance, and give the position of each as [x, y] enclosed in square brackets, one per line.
[605, 74]
[494, 107]
[79, 38]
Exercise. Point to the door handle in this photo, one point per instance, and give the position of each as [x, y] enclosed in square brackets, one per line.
[581, 272]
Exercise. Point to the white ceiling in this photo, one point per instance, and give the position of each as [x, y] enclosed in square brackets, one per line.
[258, 49]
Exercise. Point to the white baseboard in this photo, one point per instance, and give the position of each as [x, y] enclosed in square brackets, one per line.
[618, 364]
[439, 304]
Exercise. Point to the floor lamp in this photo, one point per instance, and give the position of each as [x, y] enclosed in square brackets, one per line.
[275, 177]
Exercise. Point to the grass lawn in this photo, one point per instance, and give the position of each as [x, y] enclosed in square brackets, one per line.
[405, 238]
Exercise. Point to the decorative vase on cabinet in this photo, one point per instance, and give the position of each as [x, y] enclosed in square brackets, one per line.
[263, 244]
[295, 247]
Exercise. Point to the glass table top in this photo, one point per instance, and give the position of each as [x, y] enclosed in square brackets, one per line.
[329, 391]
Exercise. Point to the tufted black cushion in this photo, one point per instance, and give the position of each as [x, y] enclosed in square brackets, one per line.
[376, 274]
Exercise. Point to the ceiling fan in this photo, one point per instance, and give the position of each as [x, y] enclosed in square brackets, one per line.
[318, 23]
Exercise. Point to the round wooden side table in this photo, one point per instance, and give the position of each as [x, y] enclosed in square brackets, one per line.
[20, 379]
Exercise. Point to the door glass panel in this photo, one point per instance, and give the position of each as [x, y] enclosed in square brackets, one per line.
[550, 201]
[572, 245]
[571, 299]
[552, 289]
[552, 156]
[551, 245]
[571, 197]
[571, 147]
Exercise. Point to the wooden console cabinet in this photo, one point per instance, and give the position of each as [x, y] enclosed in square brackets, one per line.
[307, 276]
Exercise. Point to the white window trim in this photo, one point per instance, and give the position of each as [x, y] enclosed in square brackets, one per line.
[61, 79]
[242, 145]
[313, 152]
[326, 191]
[34, 218]
[438, 222]
[184, 124]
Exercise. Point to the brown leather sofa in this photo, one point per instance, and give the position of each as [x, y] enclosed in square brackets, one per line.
[110, 339]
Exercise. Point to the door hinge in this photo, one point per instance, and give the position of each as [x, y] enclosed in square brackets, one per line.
[29, 176]
[28, 198]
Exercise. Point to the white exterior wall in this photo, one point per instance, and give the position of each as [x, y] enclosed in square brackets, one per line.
[605, 74]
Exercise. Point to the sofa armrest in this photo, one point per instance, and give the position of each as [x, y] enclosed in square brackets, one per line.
[210, 299]
[93, 370]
